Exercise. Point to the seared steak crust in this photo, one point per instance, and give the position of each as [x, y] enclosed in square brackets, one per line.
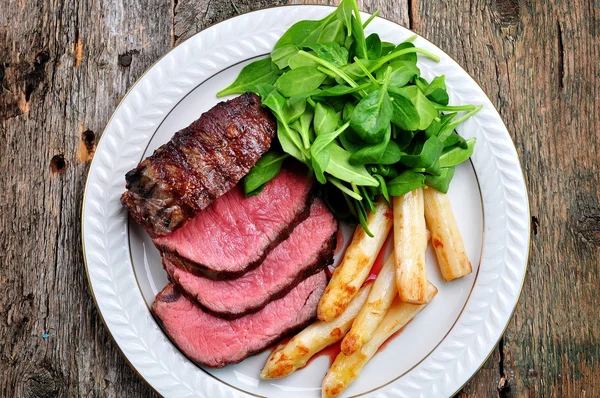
[199, 164]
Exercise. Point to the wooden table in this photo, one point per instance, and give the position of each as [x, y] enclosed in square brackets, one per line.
[64, 66]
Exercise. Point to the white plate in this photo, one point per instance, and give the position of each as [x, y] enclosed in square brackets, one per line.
[433, 356]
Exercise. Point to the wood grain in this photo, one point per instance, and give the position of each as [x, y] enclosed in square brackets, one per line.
[64, 66]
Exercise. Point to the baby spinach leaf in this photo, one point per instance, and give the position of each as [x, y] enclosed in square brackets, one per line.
[293, 110]
[354, 71]
[426, 110]
[426, 157]
[387, 47]
[319, 161]
[265, 169]
[272, 99]
[282, 55]
[373, 43]
[304, 33]
[252, 74]
[402, 73]
[412, 57]
[340, 167]
[350, 142]
[290, 141]
[372, 153]
[407, 181]
[263, 90]
[404, 113]
[331, 52]
[403, 137]
[359, 39]
[340, 90]
[302, 126]
[391, 155]
[347, 111]
[344, 14]
[299, 60]
[349, 45]
[299, 81]
[455, 139]
[441, 182]
[434, 169]
[326, 119]
[334, 32]
[320, 152]
[438, 126]
[455, 155]
[436, 91]
[372, 115]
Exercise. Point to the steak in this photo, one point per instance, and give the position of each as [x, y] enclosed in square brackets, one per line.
[216, 342]
[199, 164]
[308, 249]
[235, 233]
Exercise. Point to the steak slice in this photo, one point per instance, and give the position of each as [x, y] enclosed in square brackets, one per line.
[199, 164]
[308, 249]
[216, 342]
[235, 233]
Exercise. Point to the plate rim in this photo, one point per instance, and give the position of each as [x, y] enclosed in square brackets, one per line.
[525, 193]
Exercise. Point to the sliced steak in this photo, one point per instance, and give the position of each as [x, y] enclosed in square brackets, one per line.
[199, 164]
[235, 233]
[216, 342]
[308, 249]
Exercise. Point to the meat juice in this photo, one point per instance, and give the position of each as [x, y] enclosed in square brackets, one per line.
[331, 352]
[379, 260]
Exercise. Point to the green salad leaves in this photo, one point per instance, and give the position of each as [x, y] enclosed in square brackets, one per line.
[356, 111]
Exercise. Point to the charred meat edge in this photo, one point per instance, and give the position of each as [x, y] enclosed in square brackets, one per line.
[160, 222]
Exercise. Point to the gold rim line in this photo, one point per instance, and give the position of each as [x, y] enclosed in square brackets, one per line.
[167, 53]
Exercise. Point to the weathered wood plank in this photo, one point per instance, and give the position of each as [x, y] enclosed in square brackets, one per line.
[537, 61]
[64, 67]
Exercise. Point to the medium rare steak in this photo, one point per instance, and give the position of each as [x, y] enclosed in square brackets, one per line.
[235, 233]
[199, 164]
[216, 342]
[309, 248]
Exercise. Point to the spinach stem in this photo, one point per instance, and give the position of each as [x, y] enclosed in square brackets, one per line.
[350, 205]
[311, 102]
[364, 69]
[461, 119]
[326, 71]
[396, 54]
[293, 137]
[343, 188]
[372, 17]
[453, 108]
[331, 67]
[410, 39]
[356, 11]
[420, 85]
